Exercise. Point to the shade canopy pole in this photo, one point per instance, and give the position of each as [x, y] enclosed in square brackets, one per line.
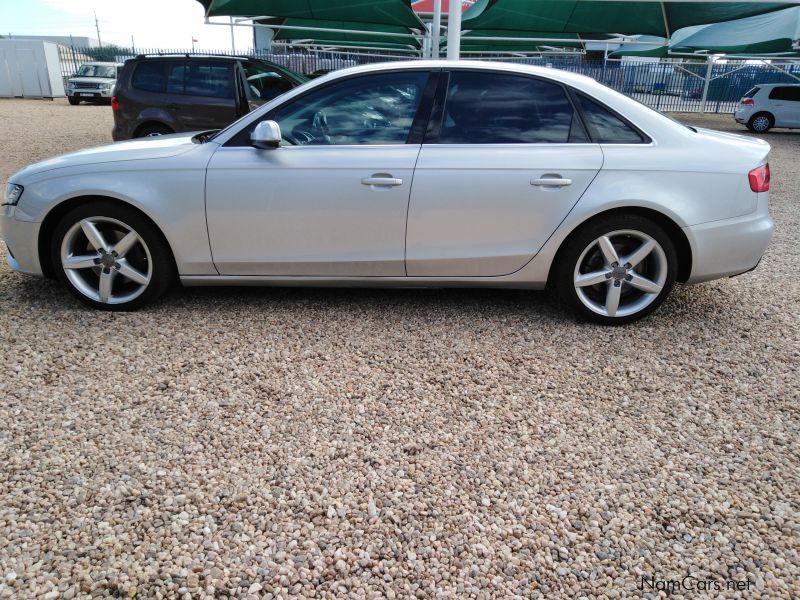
[437, 27]
[454, 30]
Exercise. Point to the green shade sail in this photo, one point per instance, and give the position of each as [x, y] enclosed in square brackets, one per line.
[606, 16]
[764, 34]
[773, 34]
[376, 12]
[538, 41]
[356, 34]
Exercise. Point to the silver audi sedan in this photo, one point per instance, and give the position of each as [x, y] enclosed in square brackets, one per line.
[424, 173]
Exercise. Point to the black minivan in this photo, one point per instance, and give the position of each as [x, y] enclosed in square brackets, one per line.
[161, 94]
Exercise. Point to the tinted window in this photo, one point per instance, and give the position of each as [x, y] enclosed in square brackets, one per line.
[149, 76]
[495, 108]
[265, 83]
[752, 92]
[373, 109]
[605, 126]
[785, 93]
[196, 78]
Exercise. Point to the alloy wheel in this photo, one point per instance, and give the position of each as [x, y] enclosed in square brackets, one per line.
[620, 273]
[106, 260]
[761, 123]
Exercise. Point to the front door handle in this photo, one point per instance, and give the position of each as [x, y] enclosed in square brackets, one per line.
[382, 181]
[551, 182]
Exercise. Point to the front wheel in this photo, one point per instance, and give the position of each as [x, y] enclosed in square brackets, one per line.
[73, 100]
[616, 270]
[111, 257]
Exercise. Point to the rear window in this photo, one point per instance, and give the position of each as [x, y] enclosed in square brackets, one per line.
[605, 126]
[149, 76]
[752, 92]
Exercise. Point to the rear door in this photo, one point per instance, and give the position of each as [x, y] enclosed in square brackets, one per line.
[505, 161]
[202, 93]
[785, 101]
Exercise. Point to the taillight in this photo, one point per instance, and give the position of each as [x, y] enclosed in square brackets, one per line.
[114, 103]
[748, 102]
[759, 178]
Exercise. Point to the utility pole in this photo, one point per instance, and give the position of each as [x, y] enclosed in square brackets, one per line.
[133, 46]
[97, 27]
[233, 41]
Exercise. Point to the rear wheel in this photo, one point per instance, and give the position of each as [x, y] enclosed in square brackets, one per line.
[111, 257]
[73, 100]
[616, 270]
[153, 131]
[760, 122]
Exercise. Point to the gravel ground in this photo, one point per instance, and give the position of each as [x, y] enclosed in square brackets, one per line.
[366, 443]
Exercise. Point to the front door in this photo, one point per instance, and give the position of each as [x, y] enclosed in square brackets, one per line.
[333, 199]
[509, 160]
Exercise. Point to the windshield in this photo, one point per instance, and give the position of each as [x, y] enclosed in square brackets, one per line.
[109, 72]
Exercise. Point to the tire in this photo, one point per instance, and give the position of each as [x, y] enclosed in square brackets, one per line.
[760, 122]
[73, 100]
[642, 287]
[153, 130]
[138, 273]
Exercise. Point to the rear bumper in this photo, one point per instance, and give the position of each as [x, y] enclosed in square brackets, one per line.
[728, 247]
[21, 238]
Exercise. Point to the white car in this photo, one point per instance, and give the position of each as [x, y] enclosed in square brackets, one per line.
[94, 82]
[770, 105]
[425, 173]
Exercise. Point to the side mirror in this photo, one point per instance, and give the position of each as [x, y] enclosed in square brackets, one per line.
[267, 134]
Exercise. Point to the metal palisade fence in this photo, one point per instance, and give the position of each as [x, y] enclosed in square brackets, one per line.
[666, 84]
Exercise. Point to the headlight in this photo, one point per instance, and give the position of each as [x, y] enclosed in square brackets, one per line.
[13, 192]
[71, 85]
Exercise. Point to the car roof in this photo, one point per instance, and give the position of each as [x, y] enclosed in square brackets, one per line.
[772, 85]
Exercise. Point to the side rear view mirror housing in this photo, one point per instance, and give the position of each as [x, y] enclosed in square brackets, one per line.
[267, 134]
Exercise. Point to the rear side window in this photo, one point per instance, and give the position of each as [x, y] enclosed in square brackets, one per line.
[785, 93]
[196, 78]
[498, 108]
[149, 76]
[605, 126]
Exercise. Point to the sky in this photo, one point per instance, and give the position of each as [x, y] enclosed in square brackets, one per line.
[152, 23]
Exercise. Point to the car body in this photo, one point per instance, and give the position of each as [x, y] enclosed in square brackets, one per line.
[769, 105]
[93, 82]
[424, 173]
[161, 94]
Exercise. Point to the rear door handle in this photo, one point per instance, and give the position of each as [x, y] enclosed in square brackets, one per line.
[383, 181]
[551, 182]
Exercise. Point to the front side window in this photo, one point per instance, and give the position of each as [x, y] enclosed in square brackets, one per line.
[372, 109]
[605, 126]
[196, 78]
[149, 76]
[498, 108]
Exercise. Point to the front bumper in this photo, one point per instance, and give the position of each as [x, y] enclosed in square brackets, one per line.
[91, 94]
[22, 241]
[728, 247]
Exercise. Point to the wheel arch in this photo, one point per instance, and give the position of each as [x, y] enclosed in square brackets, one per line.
[150, 123]
[56, 213]
[673, 230]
